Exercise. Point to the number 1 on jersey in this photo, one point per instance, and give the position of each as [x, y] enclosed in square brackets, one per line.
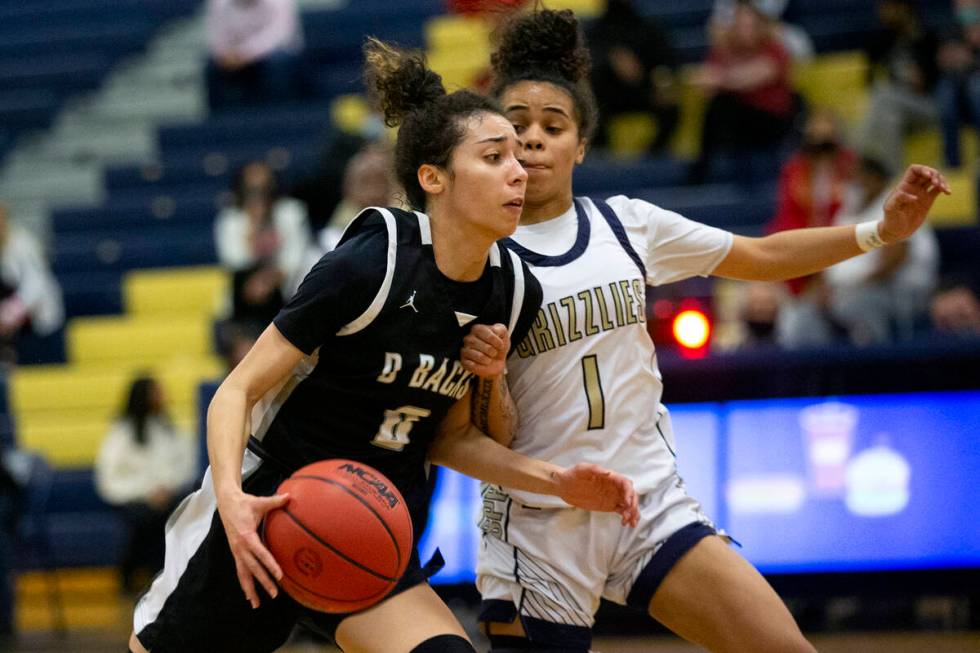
[593, 392]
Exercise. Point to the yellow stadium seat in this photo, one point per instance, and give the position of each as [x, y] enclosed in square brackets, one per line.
[71, 444]
[836, 81]
[201, 290]
[630, 134]
[582, 8]
[456, 34]
[141, 341]
[459, 71]
[926, 147]
[960, 208]
[64, 411]
[687, 140]
[348, 113]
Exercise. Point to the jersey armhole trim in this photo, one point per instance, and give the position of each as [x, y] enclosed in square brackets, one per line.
[379, 300]
[517, 302]
[620, 233]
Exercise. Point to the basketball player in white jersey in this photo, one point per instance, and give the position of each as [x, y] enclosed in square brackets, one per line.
[586, 384]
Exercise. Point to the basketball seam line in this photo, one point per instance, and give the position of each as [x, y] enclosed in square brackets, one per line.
[384, 524]
[382, 592]
[337, 551]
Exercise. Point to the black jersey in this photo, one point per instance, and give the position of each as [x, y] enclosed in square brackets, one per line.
[383, 329]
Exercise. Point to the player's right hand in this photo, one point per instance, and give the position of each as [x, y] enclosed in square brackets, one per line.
[485, 350]
[593, 487]
[241, 515]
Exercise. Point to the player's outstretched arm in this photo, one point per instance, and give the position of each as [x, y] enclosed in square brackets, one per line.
[461, 446]
[266, 364]
[800, 252]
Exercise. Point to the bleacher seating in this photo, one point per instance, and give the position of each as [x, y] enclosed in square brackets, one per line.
[51, 49]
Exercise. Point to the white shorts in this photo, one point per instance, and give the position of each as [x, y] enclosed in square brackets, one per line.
[552, 565]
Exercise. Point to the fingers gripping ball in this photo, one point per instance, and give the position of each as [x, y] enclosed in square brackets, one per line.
[343, 540]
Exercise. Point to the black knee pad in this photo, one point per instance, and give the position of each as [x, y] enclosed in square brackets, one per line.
[445, 644]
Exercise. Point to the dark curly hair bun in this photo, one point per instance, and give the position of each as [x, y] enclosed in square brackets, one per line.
[400, 80]
[430, 122]
[545, 42]
[547, 46]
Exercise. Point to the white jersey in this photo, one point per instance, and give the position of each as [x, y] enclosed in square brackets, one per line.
[585, 379]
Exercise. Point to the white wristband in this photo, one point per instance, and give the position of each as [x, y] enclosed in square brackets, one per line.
[867, 236]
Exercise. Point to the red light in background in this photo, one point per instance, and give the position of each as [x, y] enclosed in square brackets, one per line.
[691, 329]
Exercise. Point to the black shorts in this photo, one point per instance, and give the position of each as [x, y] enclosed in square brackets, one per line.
[196, 604]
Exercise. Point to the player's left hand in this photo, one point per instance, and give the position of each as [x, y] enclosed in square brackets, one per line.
[592, 487]
[909, 202]
[485, 350]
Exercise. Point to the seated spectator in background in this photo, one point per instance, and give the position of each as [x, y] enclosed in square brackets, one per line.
[872, 299]
[955, 310]
[758, 312]
[633, 70]
[797, 42]
[958, 88]
[263, 238]
[902, 72]
[30, 297]
[883, 295]
[813, 181]
[144, 468]
[254, 51]
[746, 77]
[367, 182]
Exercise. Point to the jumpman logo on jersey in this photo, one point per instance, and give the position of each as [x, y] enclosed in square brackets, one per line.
[411, 302]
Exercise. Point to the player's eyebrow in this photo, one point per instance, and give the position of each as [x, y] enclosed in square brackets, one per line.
[523, 107]
[493, 139]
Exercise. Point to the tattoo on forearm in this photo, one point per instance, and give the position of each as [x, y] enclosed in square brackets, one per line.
[481, 404]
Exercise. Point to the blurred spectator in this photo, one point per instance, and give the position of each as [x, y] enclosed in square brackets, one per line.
[254, 51]
[874, 298]
[263, 238]
[746, 77]
[958, 89]
[367, 182]
[797, 42]
[30, 297]
[812, 182]
[882, 295]
[633, 70]
[758, 313]
[484, 7]
[144, 468]
[322, 190]
[903, 73]
[11, 497]
[955, 310]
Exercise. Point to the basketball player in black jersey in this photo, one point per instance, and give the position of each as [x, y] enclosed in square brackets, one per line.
[363, 363]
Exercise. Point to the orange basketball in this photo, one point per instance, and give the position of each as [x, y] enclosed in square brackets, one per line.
[343, 540]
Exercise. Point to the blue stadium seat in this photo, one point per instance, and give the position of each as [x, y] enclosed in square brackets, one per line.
[727, 206]
[65, 73]
[600, 174]
[92, 293]
[159, 247]
[139, 212]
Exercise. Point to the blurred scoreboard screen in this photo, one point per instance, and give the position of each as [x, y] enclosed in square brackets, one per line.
[853, 483]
